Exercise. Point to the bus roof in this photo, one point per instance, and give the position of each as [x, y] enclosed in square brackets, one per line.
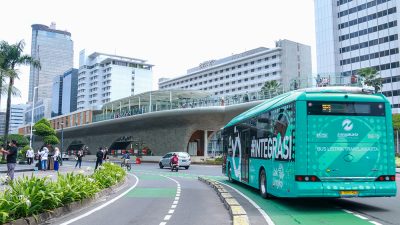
[334, 93]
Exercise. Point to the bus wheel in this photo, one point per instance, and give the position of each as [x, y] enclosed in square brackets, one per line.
[230, 173]
[263, 184]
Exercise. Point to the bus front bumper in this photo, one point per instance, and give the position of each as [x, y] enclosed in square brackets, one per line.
[346, 189]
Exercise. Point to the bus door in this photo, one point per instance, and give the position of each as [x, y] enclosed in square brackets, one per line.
[245, 136]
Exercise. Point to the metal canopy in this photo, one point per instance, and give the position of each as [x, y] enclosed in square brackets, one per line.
[157, 97]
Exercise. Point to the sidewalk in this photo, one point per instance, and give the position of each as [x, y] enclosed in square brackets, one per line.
[48, 173]
[18, 168]
[397, 170]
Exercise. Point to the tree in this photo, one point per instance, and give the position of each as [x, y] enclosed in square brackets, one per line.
[12, 57]
[370, 78]
[270, 87]
[43, 129]
[396, 121]
[22, 141]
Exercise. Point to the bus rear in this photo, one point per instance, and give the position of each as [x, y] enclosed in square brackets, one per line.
[350, 150]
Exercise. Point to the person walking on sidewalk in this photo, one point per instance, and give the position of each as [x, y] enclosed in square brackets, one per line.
[56, 156]
[44, 154]
[11, 153]
[99, 156]
[78, 158]
[29, 156]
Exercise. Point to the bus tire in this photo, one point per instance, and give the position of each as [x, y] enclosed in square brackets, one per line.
[262, 183]
[230, 173]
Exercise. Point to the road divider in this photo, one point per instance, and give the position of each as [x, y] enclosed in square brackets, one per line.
[237, 212]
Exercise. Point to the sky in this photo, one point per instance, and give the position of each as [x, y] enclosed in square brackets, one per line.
[173, 35]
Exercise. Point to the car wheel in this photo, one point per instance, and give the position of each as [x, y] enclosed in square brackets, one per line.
[263, 184]
[186, 167]
[161, 165]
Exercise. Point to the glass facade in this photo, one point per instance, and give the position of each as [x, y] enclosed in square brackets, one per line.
[54, 49]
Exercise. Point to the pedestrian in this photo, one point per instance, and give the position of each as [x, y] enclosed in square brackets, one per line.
[11, 153]
[246, 97]
[99, 156]
[56, 157]
[78, 158]
[29, 156]
[105, 154]
[44, 153]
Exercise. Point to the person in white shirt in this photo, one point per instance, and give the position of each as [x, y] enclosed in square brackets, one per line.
[44, 154]
[55, 157]
[29, 156]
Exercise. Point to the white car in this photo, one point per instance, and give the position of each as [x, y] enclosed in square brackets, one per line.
[65, 156]
[184, 160]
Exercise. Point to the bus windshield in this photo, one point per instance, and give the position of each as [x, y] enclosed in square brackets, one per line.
[346, 108]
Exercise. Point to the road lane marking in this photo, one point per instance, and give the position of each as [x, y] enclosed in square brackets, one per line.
[263, 213]
[167, 217]
[361, 217]
[175, 202]
[104, 205]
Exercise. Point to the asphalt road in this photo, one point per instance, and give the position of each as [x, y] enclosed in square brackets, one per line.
[155, 196]
[151, 200]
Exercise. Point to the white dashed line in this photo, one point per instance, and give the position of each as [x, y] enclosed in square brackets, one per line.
[361, 217]
[174, 203]
[167, 217]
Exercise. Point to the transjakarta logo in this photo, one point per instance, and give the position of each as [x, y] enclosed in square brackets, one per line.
[274, 147]
[347, 125]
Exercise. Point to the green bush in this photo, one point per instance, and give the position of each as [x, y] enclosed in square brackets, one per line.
[398, 162]
[108, 174]
[29, 196]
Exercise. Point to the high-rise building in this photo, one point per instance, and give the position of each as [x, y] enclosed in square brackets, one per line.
[289, 63]
[17, 117]
[2, 123]
[65, 88]
[352, 35]
[54, 49]
[104, 77]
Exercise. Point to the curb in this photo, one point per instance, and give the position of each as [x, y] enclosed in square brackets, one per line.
[238, 214]
[43, 217]
[16, 171]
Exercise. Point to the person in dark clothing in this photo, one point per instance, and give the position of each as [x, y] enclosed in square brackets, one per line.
[78, 157]
[11, 153]
[99, 156]
[105, 154]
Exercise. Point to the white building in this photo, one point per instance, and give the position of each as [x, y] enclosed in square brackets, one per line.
[289, 63]
[17, 117]
[358, 34]
[104, 77]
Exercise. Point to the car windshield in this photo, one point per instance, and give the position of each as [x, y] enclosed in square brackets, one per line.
[183, 154]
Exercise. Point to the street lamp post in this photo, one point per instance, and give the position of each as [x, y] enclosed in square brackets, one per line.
[32, 114]
[62, 140]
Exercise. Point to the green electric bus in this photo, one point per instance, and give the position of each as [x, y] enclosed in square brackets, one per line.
[315, 142]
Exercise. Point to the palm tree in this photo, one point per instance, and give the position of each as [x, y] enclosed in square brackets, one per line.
[12, 58]
[270, 87]
[370, 76]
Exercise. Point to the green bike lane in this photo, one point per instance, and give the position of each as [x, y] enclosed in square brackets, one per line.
[310, 211]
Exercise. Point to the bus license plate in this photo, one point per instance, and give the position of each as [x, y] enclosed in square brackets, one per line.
[348, 193]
